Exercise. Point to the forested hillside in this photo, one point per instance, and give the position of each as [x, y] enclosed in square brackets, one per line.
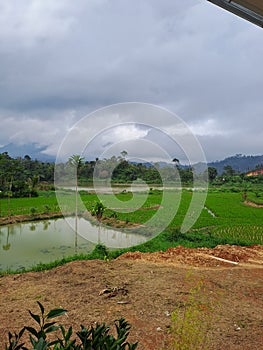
[240, 163]
[20, 176]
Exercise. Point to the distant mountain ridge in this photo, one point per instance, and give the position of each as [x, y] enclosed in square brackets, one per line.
[239, 163]
[31, 149]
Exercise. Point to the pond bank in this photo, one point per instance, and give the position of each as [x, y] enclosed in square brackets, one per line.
[111, 222]
[252, 204]
[14, 219]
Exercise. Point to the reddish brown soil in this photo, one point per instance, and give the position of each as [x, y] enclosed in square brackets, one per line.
[145, 289]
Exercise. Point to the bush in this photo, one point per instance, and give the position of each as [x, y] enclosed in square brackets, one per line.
[173, 235]
[33, 211]
[93, 338]
[100, 252]
[98, 210]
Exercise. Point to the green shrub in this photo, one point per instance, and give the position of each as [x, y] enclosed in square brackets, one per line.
[100, 252]
[93, 338]
[173, 235]
[33, 210]
[98, 210]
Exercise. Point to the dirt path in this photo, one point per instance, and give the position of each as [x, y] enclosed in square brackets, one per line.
[148, 287]
[252, 204]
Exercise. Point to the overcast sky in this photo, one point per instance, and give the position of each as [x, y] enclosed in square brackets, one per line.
[61, 60]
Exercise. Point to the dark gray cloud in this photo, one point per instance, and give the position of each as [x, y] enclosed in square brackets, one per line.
[61, 60]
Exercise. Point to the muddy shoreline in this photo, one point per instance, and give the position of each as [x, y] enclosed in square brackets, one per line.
[14, 219]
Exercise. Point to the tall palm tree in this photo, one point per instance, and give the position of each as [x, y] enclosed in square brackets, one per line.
[76, 161]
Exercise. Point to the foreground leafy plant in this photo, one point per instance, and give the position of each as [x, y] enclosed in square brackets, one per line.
[93, 338]
[38, 336]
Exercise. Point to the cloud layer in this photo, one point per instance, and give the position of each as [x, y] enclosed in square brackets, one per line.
[61, 60]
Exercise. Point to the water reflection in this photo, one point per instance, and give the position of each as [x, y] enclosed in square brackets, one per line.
[32, 227]
[45, 225]
[7, 245]
[26, 244]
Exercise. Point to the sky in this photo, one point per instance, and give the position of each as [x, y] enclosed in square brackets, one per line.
[62, 60]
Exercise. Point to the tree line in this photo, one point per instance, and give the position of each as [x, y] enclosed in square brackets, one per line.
[120, 170]
[21, 177]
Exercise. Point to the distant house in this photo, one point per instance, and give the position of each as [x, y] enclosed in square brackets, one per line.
[255, 172]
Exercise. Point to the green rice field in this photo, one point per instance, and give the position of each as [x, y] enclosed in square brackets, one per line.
[224, 214]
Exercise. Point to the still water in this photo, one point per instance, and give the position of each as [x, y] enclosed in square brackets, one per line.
[27, 244]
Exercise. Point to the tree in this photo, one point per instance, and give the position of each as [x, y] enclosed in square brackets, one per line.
[228, 170]
[175, 160]
[124, 153]
[32, 183]
[98, 211]
[186, 175]
[212, 173]
[75, 161]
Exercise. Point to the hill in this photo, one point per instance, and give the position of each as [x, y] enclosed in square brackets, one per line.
[31, 149]
[239, 163]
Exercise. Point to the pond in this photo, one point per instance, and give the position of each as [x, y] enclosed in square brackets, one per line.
[27, 244]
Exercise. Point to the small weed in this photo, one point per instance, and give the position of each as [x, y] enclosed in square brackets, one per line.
[191, 321]
[113, 215]
[46, 209]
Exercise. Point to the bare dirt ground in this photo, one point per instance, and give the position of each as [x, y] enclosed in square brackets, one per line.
[145, 289]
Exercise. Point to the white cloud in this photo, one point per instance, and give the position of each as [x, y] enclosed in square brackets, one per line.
[30, 21]
[208, 127]
[126, 132]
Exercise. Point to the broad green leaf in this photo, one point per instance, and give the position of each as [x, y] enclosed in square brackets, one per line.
[48, 325]
[41, 307]
[35, 317]
[32, 331]
[21, 332]
[52, 329]
[55, 313]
